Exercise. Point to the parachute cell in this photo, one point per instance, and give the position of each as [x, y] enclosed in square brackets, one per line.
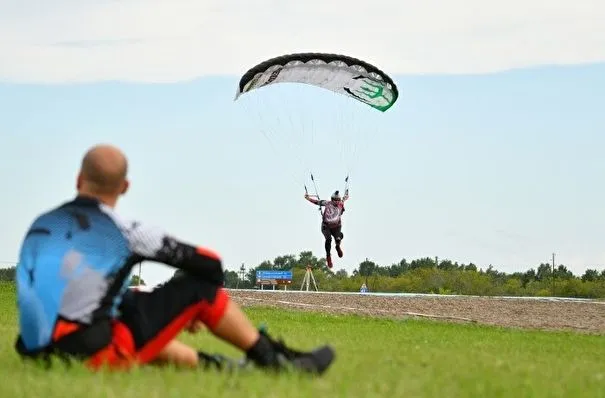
[341, 74]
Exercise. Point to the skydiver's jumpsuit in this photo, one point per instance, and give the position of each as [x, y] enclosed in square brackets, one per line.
[330, 228]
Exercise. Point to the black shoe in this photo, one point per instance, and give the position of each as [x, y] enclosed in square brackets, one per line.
[278, 356]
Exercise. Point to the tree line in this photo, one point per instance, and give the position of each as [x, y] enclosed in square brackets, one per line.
[432, 275]
[422, 275]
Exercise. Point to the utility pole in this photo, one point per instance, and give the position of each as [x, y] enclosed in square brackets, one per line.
[242, 275]
[553, 274]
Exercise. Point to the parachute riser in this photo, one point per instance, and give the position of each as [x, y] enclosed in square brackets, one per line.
[347, 186]
[316, 194]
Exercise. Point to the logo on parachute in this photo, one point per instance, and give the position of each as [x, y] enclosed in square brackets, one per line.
[255, 80]
[370, 92]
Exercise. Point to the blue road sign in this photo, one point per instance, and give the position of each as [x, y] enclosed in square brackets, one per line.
[267, 277]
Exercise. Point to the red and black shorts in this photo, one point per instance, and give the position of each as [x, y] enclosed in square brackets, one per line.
[332, 231]
[150, 320]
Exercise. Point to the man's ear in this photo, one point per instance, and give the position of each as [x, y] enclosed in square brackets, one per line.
[79, 180]
[125, 187]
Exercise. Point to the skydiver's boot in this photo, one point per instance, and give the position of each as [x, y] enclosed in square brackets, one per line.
[328, 246]
[339, 248]
[270, 354]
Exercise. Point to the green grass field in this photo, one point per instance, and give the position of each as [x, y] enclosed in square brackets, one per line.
[376, 357]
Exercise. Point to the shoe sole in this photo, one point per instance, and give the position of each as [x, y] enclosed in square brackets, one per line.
[324, 356]
[321, 359]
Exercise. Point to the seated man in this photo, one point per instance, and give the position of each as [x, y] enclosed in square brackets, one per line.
[73, 297]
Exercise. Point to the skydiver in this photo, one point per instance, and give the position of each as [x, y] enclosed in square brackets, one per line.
[331, 224]
[72, 288]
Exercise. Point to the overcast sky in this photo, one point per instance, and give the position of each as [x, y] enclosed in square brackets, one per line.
[171, 40]
[474, 163]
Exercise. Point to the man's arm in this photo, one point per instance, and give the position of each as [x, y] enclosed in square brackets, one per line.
[315, 201]
[153, 244]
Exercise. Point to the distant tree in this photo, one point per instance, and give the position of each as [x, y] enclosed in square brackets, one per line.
[425, 262]
[231, 278]
[284, 263]
[382, 271]
[341, 274]
[544, 272]
[561, 272]
[8, 274]
[307, 258]
[590, 275]
[528, 276]
[470, 267]
[135, 281]
[447, 265]
[366, 269]
[398, 269]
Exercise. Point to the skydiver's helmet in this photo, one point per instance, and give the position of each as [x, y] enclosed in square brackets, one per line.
[336, 197]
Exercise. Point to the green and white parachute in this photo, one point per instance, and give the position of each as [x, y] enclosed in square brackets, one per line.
[338, 73]
[293, 97]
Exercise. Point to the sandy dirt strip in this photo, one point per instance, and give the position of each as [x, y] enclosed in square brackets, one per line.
[545, 313]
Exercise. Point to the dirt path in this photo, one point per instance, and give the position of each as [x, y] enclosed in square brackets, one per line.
[582, 316]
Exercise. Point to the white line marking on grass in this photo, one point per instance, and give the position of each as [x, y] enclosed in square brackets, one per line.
[426, 295]
[416, 314]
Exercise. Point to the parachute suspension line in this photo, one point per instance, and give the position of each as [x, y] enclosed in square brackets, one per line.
[358, 146]
[349, 130]
[359, 81]
[316, 193]
[295, 143]
[295, 180]
[354, 142]
[342, 121]
[269, 132]
[315, 185]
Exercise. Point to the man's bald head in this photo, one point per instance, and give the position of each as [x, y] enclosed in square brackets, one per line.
[103, 171]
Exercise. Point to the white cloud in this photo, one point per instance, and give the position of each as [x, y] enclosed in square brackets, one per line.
[171, 40]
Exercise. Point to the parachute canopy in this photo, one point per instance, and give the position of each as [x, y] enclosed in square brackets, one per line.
[338, 73]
